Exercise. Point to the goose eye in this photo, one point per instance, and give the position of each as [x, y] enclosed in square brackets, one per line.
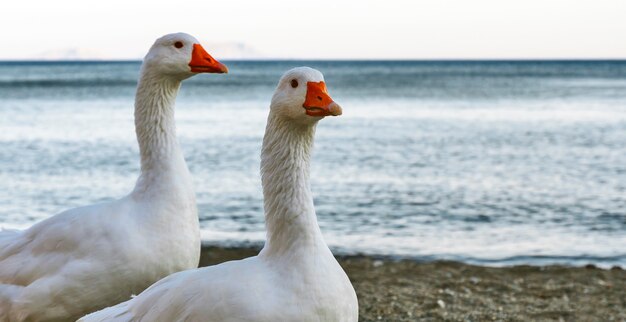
[178, 44]
[294, 83]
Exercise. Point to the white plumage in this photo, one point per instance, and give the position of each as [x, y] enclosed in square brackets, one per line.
[91, 257]
[295, 277]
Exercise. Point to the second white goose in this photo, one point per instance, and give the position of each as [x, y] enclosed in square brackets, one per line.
[295, 277]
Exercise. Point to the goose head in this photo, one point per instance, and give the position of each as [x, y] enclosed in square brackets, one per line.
[301, 96]
[181, 56]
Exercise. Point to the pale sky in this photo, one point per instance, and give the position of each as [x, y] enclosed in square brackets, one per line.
[326, 29]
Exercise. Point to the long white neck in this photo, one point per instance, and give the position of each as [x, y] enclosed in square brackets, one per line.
[290, 217]
[163, 166]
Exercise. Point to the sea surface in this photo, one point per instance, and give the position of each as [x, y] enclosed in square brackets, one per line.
[488, 162]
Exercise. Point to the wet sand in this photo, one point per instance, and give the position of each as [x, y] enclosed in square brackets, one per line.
[401, 290]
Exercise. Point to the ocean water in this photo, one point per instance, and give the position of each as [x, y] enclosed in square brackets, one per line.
[494, 163]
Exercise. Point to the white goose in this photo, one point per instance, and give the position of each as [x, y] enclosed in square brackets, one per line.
[87, 258]
[295, 277]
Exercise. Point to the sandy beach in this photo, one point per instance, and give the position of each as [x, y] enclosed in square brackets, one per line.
[402, 290]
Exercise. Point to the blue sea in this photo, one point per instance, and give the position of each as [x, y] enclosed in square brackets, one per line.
[486, 162]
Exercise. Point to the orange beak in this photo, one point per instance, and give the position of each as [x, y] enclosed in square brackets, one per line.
[318, 102]
[202, 62]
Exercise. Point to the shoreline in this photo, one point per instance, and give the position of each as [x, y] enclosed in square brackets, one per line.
[404, 290]
[609, 262]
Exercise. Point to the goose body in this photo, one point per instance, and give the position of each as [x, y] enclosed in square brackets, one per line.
[295, 277]
[87, 258]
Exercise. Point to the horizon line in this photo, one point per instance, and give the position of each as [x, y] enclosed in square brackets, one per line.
[122, 60]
